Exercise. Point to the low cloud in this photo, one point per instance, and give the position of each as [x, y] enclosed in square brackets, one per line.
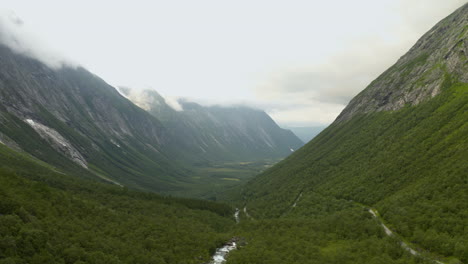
[15, 35]
[317, 93]
[301, 71]
[148, 98]
[173, 102]
[336, 80]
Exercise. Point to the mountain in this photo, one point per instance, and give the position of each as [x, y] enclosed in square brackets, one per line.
[400, 146]
[306, 133]
[75, 121]
[61, 129]
[436, 61]
[218, 133]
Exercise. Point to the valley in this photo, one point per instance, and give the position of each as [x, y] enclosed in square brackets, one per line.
[96, 173]
[215, 181]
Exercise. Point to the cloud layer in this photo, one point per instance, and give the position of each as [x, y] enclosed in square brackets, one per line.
[300, 60]
[318, 92]
[15, 34]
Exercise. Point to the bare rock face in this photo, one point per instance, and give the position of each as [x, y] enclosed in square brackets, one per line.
[58, 142]
[76, 122]
[439, 57]
[79, 121]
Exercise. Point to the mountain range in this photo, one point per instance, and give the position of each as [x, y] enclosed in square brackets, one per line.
[74, 120]
[386, 182]
[219, 133]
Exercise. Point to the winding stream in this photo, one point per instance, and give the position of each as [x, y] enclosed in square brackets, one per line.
[236, 215]
[221, 253]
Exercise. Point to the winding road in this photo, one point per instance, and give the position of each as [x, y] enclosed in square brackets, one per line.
[246, 213]
[403, 244]
[221, 253]
[387, 230]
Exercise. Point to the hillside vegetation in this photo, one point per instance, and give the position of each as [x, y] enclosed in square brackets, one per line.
[407, 160]
[49, 217]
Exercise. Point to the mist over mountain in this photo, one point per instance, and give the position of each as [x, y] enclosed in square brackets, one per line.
[229, 133]
[72, 118]
[69, 115]
[306, 133]
[95, 173]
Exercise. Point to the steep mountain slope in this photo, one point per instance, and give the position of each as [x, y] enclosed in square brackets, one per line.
[400, 146]
[75, 121]
[218, 133]
[420, 74]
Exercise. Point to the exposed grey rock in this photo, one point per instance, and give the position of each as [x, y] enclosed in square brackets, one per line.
[81, 120]
[58, 142]
[420, 74]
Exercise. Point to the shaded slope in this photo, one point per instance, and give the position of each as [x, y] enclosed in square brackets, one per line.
[74, 120]
[218, 133]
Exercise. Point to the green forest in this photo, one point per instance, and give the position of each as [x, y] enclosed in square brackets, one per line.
[48, 217]
[99, 180]
[410, 164]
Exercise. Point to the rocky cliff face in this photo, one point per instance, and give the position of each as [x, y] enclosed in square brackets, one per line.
[219, 133]
[70, 114]
[72, 119]
[422, 72]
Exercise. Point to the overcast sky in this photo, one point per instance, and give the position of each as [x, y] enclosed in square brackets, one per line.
[301, 61]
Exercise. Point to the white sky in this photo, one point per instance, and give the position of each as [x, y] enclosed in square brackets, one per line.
[301, 61]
